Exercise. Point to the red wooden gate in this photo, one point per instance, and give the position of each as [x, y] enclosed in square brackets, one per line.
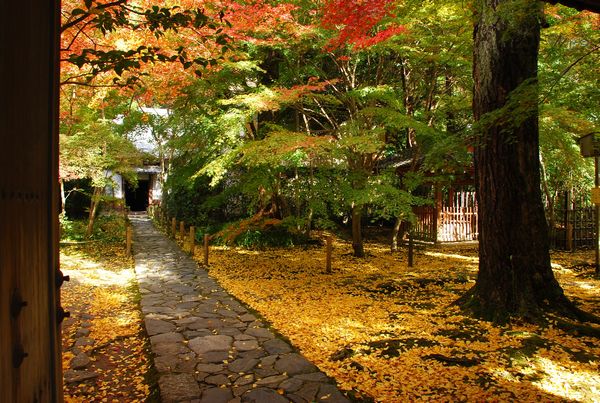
[454, 221]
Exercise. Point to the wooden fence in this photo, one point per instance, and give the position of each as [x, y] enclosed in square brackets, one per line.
[457, 224]
[425, 227]
[574, 229]
[449, 224]
[455, 220]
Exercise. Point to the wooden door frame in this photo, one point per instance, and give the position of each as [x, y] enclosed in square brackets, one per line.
[29, 201]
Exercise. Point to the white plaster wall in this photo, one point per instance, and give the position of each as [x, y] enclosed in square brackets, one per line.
[156, 189]
[116, 189]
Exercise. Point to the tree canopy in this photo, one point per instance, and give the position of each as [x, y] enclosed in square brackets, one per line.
[327, 115]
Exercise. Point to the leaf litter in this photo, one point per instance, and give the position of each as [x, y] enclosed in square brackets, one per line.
[389, 333]
[103, 300]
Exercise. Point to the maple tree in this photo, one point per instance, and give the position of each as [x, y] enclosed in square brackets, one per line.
[330, 92]
[115, 44]
[339, 130]
[565, 64]
[91, 148]
[298, 122]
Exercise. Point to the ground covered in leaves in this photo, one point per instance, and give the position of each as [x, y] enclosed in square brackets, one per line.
[105, 326]
[389, 333]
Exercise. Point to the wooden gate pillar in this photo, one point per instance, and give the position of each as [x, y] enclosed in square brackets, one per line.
[29, 202]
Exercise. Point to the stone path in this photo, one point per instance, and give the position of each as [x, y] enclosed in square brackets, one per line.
[207, 347]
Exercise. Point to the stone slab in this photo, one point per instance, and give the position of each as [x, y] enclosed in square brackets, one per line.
[179, 387]
[156, 326]
[207, 344]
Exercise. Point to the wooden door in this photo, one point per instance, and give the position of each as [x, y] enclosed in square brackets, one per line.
[29, 342]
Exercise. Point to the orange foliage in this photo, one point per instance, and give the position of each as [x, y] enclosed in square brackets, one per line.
[358, 20]
[262, 23]
[298, 91]
[257, 22]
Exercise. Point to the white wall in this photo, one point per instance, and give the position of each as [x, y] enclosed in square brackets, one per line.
[116, 189]
[156, 189]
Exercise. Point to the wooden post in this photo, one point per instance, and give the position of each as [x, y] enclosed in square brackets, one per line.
[192, 240]
[597, 217]
[182, 230]
[437, 214]
[129, 236]
[569, 214]
[411, 246]
[329, 248]
[205, 249]
[174, 227]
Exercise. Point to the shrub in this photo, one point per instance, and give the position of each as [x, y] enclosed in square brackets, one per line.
[258, 232]
[108, 228]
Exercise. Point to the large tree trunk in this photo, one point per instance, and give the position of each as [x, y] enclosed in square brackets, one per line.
[515, 277]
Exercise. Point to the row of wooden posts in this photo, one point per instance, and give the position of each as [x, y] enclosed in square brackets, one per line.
[188, 238]
[156, 213]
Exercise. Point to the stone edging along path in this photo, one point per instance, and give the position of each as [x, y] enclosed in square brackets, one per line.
[208, 347]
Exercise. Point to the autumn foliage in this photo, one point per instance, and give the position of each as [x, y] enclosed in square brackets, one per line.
[303, 117]
[356, 22]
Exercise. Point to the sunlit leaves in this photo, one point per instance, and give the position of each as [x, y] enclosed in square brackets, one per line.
[90, 33]
[91, 147]
[375, 325]
[569, 83]
[101, 286]
[282, 147]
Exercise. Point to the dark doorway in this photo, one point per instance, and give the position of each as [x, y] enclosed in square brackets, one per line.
[137, 199]
[77, 203]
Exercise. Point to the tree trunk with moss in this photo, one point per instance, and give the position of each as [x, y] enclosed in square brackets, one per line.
[515, 276]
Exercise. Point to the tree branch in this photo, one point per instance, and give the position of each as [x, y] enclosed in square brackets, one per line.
[77, 20]
[87, 84]
[568, 68]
